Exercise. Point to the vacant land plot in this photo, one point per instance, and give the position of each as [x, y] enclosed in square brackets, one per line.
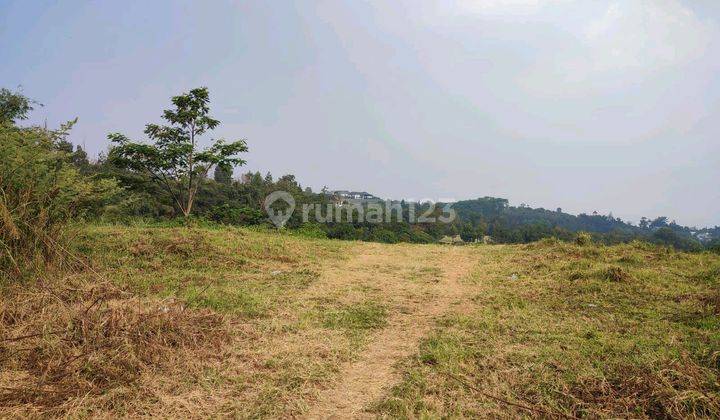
[233, 322]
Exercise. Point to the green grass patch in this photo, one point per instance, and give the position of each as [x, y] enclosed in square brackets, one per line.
[361, 316]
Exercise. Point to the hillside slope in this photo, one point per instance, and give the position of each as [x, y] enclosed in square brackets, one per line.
[207, 322]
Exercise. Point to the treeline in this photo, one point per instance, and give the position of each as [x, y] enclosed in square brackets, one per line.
[170, 177]
[223, 199]
[510, 224]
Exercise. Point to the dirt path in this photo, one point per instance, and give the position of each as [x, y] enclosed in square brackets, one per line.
[416, 302]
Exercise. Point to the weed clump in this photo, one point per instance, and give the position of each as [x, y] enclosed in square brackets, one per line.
[576, 275]
[583, 239]
[709, 276]
[616, 274]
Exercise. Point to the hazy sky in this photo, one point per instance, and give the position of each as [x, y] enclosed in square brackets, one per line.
[584, 105]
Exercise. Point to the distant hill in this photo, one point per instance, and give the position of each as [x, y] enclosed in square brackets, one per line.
[521, 224]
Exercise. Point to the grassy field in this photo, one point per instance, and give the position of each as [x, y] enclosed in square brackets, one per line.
[176, 322]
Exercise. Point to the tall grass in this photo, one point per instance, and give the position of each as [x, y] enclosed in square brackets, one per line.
[41, 193]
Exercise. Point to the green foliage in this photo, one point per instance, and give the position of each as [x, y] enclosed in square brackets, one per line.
[79, 159]
[14, 106]
[223, 175]
[344, 231]
[669, 236]
[714, 246]
[174, 161]
[384, 235]
[310, 230]
[229, 215]
[583, 238]
[420, 237]
[40, 193]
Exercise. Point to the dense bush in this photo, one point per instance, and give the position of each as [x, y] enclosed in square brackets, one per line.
[583, 238]
[41, 191]
[384, 235]
[230, 215]
[311, 230]
[714, 246]
[344, 231]
[420, 237]
[668, 236]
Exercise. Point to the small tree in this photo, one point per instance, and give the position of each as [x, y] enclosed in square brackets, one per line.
[14, 106]
[174, 161]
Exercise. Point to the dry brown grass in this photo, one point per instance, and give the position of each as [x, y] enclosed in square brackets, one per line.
[65, 342]
[190, 323]
[678, 390]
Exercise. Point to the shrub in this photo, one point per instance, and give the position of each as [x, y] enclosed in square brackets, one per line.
[40, 193]
[583, 238]
[714, 246]
[345, 231]
[310, 230]
[615, 274]
[230, 215]
[384, 235]
[420, 237]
